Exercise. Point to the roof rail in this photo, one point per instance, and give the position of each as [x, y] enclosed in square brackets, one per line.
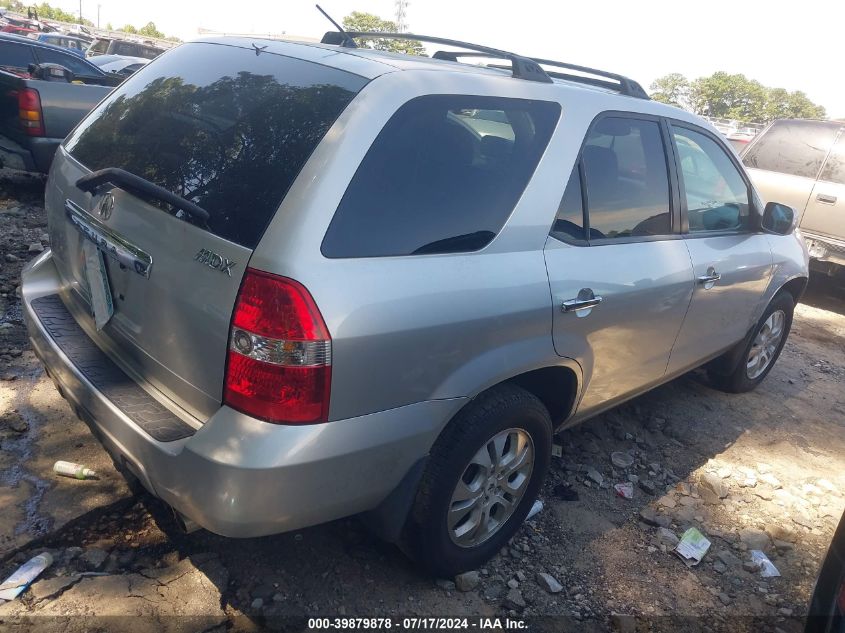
[521, 67]
[626, 86]
[621, 84]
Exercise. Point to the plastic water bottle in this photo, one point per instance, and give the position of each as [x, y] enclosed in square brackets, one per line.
[77, 471]
[26, 573]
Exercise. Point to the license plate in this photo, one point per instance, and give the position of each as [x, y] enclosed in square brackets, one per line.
[98, 284]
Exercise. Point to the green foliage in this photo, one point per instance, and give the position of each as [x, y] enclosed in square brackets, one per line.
[672, 89]
[128, 28]
[360, 21]
[150, 30]
[727, 96]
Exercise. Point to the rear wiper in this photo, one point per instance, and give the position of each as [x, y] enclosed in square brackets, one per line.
[456, 244]
[136, 184]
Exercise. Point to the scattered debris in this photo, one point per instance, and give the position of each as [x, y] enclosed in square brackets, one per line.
[621, 460]
[76, 471]
[557, 450]
[692, 547]
[767, 568]
[467, 581]
[549, 583]
[535, 509]
[650, 517]
[667, 537]
[15, 584]
[624, 490]
[595, 476]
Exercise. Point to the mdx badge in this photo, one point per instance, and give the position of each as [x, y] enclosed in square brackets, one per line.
[215, 261]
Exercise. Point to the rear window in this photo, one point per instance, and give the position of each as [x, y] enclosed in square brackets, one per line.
[15, 55]
[99, 46]
[792, 147]
[221, 126]
[441, 177]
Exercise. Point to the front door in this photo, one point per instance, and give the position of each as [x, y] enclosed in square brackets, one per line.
[619, 274]
[732, 264]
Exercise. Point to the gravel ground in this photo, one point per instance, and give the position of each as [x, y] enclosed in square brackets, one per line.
[760, 471]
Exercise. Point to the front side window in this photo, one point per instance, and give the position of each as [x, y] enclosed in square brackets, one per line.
[627, 182]
[792, 147]
[442, 176]
[716, 194]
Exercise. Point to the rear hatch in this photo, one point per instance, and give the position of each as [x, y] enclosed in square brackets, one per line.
[223, 127]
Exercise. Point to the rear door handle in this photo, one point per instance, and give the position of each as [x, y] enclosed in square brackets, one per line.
[826, 199]
[706, 279]
[709, 280]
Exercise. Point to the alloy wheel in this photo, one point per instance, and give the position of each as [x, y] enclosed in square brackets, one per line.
[765, 344]
[490, 487]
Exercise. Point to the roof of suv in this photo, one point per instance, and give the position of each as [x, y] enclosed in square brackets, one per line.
[370, 63]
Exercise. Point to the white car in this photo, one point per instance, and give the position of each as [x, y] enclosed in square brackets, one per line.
[119, 64]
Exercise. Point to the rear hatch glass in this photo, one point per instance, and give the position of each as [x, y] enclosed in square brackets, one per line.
[223, 127]
[220, 126]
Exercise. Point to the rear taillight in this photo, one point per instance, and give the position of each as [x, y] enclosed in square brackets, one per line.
[279, 360]
[29, 112]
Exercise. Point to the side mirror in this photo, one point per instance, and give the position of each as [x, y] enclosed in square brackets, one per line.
[779, 219]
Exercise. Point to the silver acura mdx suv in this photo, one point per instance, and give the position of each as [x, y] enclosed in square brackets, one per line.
[294, 282]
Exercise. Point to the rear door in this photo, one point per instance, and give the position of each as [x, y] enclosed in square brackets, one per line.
[619, 272]
[222, 127]
[732, 263]
[825, 214]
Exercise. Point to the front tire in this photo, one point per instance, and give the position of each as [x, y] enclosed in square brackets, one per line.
[763, 348]
[482, 477]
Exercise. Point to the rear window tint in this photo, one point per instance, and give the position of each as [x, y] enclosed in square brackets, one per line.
[15, 55]
[220, 126]
[441, 177]
[792, 147]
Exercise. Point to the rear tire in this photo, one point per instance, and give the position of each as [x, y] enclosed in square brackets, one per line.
[763, 348]
[468, 506]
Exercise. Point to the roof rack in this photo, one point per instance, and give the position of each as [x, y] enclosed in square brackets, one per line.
[626, 86]
[621, 84]
[521, 67]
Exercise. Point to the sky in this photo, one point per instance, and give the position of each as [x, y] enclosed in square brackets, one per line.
[794, 46]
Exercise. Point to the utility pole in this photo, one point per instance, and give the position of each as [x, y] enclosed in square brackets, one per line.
[98, 15]
[401, 11]
[80, 11]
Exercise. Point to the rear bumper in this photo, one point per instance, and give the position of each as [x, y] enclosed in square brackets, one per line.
[237, 476]
[38, 156]
[826, 249]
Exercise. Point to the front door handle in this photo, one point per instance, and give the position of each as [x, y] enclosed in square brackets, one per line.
[826, 199]
[709, 280]
[585, 300]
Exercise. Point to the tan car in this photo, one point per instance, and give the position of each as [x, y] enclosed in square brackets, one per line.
[802, 163]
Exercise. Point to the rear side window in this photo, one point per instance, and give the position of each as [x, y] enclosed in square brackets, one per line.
[792, 147]
[220, 126]
[15, 55]
[834, 168]
[441, 177]
[624, 165]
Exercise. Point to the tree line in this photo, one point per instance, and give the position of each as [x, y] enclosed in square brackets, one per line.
[726, 96]
[45, 11]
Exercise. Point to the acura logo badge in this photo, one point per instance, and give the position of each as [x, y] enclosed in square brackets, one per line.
[106, 206]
